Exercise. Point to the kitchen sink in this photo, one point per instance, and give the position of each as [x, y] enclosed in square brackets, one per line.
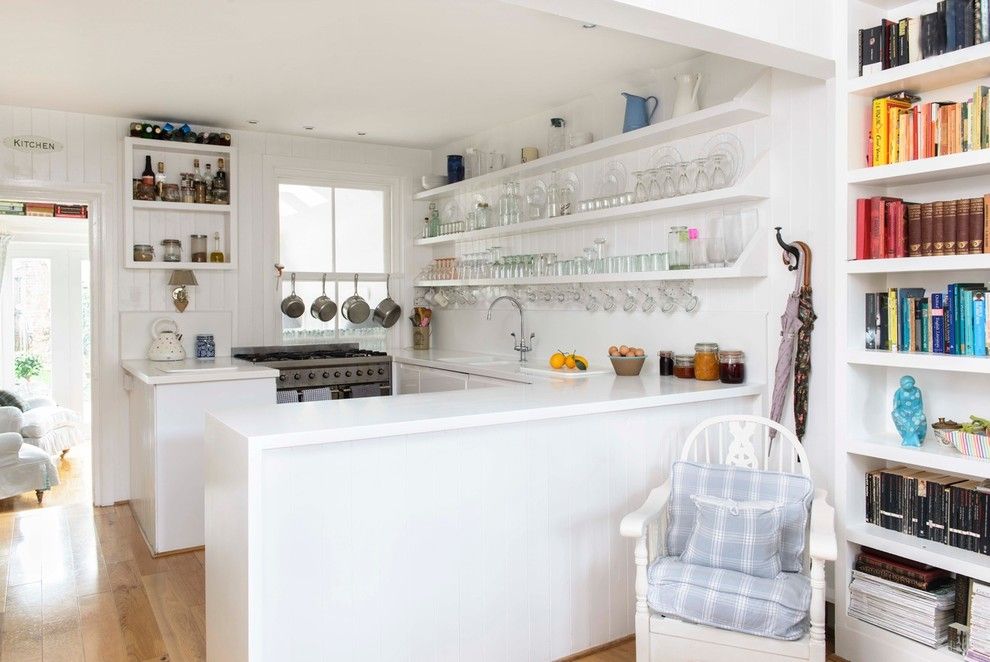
[477, 360]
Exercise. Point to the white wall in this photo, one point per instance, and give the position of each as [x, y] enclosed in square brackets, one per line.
[742, 314]
[93, 158]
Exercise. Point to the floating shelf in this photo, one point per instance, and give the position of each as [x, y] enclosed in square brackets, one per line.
[931, 454]
[919, 264]
[151, 145]
[169, 266]
[753, 188]
[950, 558]
[919, 361]
[180, 206]
[920, 171]
[932, 73]
[753, 103]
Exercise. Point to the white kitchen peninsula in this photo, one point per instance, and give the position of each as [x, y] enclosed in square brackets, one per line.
[468, 525]
[168, 402]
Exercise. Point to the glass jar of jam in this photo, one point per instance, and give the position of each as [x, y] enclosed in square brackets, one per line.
[732, 367]
[144, 253]
[666, 363]
[684, 366]
[706, 361]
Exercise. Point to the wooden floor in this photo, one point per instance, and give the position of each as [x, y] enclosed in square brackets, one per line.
[77, 583]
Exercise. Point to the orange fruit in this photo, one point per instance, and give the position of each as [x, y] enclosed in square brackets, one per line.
[557, 360]
[570, 362]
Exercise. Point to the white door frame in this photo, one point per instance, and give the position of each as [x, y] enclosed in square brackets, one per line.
[103, 284]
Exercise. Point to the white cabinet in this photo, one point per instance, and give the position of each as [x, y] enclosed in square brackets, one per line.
[432, 380]
[477, 381]
[167, 453]
[420, 379]
[406, 379]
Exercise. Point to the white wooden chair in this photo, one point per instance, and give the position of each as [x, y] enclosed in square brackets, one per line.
[741, 441]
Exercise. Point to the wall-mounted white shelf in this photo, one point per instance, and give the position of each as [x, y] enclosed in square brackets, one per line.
[191, 207]
[754, 186]
[169, 266]
[151, 221]
[919, 264]
[919, 361]
[933, 73]
[950, 558]
[753, 103]
[920, 171]
[931, 454]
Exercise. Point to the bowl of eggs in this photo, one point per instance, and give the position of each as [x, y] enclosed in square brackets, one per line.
[627, 361]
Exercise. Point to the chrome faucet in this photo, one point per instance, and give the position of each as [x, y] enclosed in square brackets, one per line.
[520, 342]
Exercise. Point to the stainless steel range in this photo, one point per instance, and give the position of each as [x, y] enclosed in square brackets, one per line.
[308, 373]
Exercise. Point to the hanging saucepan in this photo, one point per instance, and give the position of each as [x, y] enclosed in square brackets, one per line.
[323, 308]
[387, 313]
[292, 305]
[355, 309]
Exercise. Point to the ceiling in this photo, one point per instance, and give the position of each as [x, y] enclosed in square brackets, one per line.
[408, 72]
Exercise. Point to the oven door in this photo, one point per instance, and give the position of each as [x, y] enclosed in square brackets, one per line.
[367, 390]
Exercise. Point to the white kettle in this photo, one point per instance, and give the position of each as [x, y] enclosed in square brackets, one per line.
[166, 345]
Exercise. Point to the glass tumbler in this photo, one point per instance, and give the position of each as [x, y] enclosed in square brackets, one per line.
[678, 248]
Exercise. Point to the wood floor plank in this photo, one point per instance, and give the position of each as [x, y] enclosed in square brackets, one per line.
[187, 578]
[112, 534]
[142, 638]
[183, 637]
[22, 623]
[100, 627]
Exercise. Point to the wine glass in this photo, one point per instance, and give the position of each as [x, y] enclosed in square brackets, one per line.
[655, 192]
[684, 186]
[701, 181]
[668, 188]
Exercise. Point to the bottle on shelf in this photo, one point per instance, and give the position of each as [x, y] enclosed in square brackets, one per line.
[556, 140]
[156, 132]
[208, 181]
[160, 180]
[186, 190]
[553, 196]
[221, 192]
[147, 130]
[434, 220]
[426, 227]
[148, 175]
[167, 130]
[217, 254]
[137, 131]
[199, 186]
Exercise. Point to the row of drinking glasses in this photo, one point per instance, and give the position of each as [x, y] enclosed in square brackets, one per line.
[684, 178]
[609, 299]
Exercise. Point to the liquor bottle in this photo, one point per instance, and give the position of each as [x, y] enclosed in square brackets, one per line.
[217, 254]
[160, 180]
[221, 192]
[434, 220]
[136, 130]
[148, 176]
[156, 132]
[199, 186]
[208, 181]
[167, 131]
[148, 131]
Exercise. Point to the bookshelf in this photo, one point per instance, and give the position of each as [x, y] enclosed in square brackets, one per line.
[865, 380]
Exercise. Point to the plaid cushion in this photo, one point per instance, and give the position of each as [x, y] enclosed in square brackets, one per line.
[736, 535]
[794, 492]
[776, 608]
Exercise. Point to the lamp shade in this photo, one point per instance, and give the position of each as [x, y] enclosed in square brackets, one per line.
[182, 277]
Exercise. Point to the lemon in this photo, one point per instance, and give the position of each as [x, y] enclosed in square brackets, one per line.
[557, 360]
[580, 362]
[570, 362]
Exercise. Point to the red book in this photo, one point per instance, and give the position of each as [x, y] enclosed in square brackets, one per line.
[892, 219]
[863, 229]
[878, 240]
[900, 228]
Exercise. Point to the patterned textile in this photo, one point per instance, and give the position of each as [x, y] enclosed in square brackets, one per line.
[736, 535]
[776, 608]
[802, 362]
[8, 399]
[792, 491]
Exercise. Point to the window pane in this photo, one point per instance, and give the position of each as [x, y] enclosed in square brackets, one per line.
[305, 228]
[369, 334]
[307, 328]
[360, 225]
[32, 325]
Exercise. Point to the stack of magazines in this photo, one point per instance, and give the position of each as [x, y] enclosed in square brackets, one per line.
[891, 602]
[979, 623]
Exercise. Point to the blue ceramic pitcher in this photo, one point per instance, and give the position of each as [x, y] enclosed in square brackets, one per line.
[636, 115]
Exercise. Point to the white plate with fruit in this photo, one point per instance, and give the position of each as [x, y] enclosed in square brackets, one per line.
[565, 364]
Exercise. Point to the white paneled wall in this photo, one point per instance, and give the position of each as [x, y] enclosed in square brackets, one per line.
[741, 314]
[93, 157]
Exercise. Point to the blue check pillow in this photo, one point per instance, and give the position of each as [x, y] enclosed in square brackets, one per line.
[736, 535]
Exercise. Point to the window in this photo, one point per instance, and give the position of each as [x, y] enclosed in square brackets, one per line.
[339, 231]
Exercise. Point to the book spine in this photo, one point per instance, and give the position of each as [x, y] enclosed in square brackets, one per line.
[966, 300]
[880, 131]
[962, 226]
[977, 220]
[893, 133]
[862, 228]
[950, 323]
[871, 320]
[891, 221]
[900, 229]
[938, 228]
[950, 26]
[892, 320]
[896, 578]
[883, 333]
[949, 228]
[986, 223]
[862, 36]
[913, 230]
[877, 238]
[938, 323]
[979, 324]
[927, 228]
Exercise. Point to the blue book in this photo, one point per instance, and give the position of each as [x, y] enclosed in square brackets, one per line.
[905, 316]
[950, 322]
[938, 323]
[951, 21]
[963, 317]
[979, 324]
[967, 321]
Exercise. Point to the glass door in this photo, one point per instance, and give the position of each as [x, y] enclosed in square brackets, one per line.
[31, 282]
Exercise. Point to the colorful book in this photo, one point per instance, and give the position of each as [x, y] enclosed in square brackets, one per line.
[979, 324]
[938, 323]
[893, 321]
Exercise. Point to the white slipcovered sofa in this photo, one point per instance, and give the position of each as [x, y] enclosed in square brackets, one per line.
[44, 424]
[23, 467]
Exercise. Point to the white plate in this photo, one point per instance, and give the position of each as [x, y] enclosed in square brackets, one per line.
[731, 149]
[664, 156]
[615, 180]
[567, 374]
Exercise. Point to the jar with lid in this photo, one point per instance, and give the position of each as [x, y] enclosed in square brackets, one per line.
[144, 253]
[706, 361]
[198, 244]
[732, 366]
[171, 250]
[678, 248]
[557, 138]
[684, 366]
[666, 363]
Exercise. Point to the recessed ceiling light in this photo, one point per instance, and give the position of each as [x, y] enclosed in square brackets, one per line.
[252, 121]
[308, 128]
[361, 133]
[589, 26]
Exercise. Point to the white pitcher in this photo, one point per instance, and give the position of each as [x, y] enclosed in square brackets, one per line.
[686, 100]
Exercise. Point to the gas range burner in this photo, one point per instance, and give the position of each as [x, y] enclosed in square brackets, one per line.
[306, 355]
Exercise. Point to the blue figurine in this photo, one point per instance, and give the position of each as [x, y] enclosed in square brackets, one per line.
[909, 413]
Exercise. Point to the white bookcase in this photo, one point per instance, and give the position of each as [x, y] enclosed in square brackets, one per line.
[149, 222]
[865, 380]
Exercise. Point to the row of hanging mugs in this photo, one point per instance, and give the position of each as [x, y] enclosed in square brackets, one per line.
[629, 297]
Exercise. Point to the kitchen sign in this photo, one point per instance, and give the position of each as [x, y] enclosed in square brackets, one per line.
[32, 144]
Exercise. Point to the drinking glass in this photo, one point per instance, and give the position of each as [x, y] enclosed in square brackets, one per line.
[702, 182]
[608, 301]
[715, 248]
[641, 194]
[668, 185]
[719, 177]
[593, 304]
[649, 303]
[684, 186]
[655, 191]
[630, 303]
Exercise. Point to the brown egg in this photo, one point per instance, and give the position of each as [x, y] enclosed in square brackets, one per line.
[623, 349]
[640, 352]
[613, 350]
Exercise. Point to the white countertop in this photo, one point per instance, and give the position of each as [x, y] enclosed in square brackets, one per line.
[285, 425]
[485, 365]
[191, 371]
